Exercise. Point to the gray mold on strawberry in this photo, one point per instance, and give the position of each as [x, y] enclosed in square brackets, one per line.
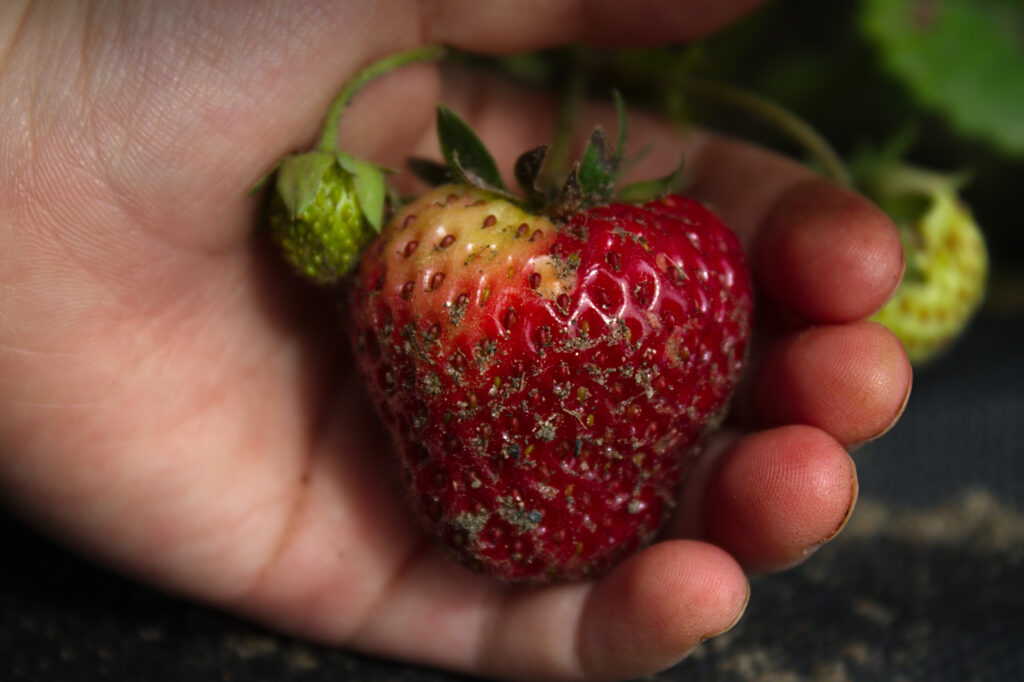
[545, 427]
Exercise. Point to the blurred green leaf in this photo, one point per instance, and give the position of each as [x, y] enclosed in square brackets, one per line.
[962, 58]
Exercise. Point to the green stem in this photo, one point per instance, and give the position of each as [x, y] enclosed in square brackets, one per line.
[791, 125]
[329, 136]
[894, 179]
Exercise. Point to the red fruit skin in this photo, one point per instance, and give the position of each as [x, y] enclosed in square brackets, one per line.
[549, 389]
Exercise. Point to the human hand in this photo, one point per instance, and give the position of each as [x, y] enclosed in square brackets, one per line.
[175, 405]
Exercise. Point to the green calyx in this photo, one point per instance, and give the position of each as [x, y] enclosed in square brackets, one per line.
[325, 209]
[591, 180]
[325, 205]
[301, 181]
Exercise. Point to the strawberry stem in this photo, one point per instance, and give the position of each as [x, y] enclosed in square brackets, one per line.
[902, 178]
[329, 136]
[786, 121]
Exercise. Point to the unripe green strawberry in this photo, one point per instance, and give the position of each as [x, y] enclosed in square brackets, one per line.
[326, 205]
[947, 263]
[325, 209]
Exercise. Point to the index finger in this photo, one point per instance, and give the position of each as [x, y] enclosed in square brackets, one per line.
[824, 252]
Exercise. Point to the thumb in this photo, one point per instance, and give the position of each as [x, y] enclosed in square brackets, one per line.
[137, 103]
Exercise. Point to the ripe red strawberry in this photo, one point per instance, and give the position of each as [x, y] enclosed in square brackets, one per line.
[548, 381]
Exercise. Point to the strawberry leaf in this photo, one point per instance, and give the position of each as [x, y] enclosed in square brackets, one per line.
[465, 154]
[963, 59]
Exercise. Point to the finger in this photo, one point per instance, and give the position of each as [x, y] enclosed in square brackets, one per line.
[506, 26]
[382, 124]
[352, 569]
[822, 252]
[658, 605]
[827, 254]
[771, 498]
[851, 381]
[646, 615]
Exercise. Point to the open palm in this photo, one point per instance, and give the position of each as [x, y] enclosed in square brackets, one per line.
[176, 404]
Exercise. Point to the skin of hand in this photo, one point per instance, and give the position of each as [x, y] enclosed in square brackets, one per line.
[174, 404]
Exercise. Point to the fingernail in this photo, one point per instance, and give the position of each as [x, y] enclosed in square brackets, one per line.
[854, 493]
[896, 417]
[735, 621]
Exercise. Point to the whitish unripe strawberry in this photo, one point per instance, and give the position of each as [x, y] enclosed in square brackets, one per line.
[947, 262]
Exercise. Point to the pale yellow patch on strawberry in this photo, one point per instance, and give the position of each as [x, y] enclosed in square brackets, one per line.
[458, 239]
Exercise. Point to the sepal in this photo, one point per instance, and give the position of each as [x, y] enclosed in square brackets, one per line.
[528, 172]
[431, 172]
[371, 188]
[299, 178]
[646, 190]
[598, 170]
[465, 154]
